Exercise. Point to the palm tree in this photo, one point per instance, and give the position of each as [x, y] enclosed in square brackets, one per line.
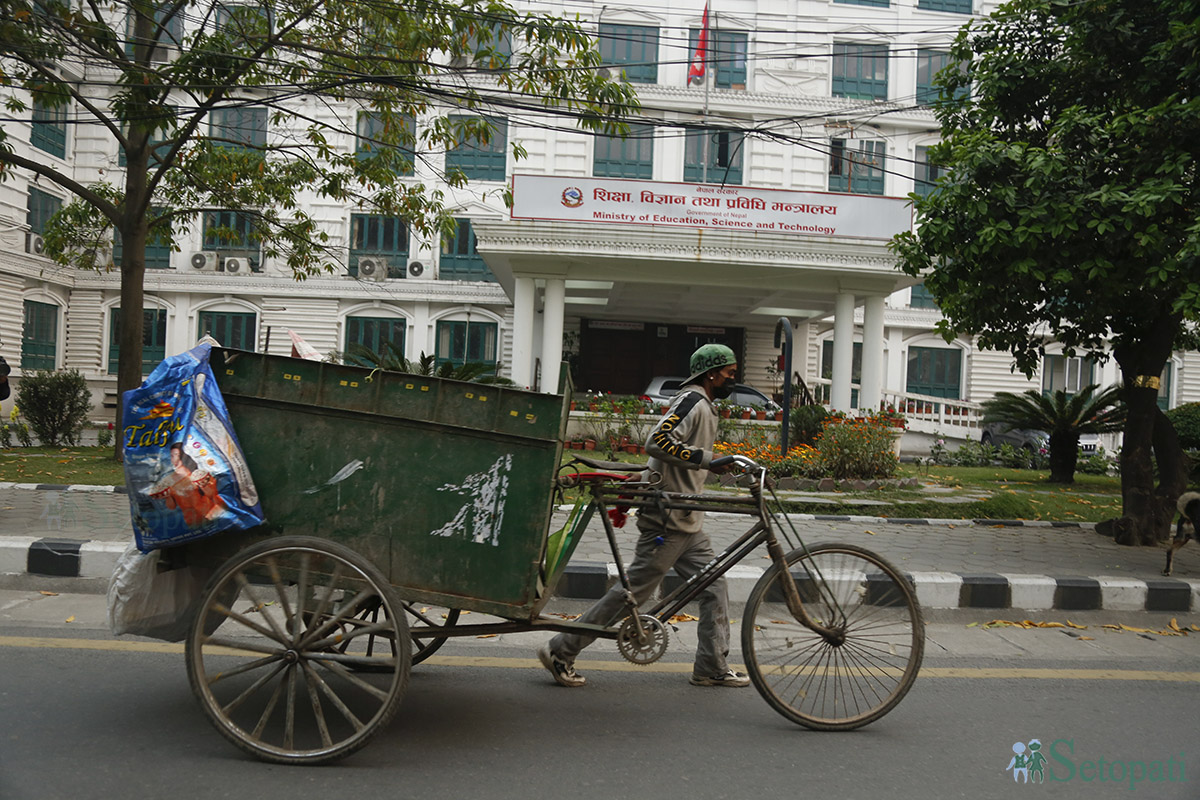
[1061, 415]
[392, 359]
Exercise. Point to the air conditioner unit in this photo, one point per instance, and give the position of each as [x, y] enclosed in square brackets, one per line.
[238, 266]
[34, 244]
[416, 269]
[373, 269]
[205, 261]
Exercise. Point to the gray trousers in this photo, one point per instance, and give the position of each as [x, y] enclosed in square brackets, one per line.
[688, 553]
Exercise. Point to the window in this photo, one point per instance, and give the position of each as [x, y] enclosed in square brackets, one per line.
[49, 131]
[727, 58]
[855, 367]
[243, 23]
[154, 339]
[482, 161]
[460, 261]
[240, 128]
[878, 3]
[372, 135]
[381, 237]
[227, 230]
[921, 298]
[724, 157]
[935, 371]
[167, 36]
[856, 166]
[467, 342]
[158, 136]
[41, 206]
[929, 64]
[1066, 374]
[860, 71]
[631, 156]
[1164, 387]
[926, 174]
[158, 252]
[39, 336]
[634, 48]
[374, 333]
[490, 48]
[230, 328]
[954, 6]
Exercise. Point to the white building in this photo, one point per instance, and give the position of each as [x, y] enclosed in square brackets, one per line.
[818, 102]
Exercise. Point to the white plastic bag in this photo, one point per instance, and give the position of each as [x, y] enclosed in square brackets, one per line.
[143, 601]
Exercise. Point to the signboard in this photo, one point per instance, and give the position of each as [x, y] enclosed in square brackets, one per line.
[709, 206]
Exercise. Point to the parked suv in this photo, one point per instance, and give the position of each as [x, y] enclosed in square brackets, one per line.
[995, 433]
[663, 389]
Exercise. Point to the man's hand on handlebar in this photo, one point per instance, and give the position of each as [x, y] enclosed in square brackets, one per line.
[725, 464]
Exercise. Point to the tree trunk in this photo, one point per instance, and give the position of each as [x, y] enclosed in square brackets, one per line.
[1064, 454]
[1148, 435]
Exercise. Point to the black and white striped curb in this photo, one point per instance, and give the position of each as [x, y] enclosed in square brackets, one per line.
[73, 487]
[72, 558]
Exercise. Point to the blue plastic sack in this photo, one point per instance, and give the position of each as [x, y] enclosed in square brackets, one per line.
[186, 476]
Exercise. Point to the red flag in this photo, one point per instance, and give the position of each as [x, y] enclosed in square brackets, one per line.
[700, 57]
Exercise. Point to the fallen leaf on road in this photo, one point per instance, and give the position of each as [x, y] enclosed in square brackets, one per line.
[487, 636]
[48, 594]
[1077, 627]
[1087, 638]
[683, 618]
[71, 618]
[1175, 625]
[870, 532]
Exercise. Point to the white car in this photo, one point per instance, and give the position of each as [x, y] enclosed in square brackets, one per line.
[663, 389]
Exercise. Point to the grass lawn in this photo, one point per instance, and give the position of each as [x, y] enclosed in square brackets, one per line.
[1011, 493]
[61, 465]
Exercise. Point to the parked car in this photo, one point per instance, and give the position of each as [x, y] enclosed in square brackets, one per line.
[663, 389]
[995, 433]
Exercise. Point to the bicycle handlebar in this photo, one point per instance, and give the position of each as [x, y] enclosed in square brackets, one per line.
[743, 463]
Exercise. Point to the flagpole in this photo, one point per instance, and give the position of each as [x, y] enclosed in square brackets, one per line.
[704, 118]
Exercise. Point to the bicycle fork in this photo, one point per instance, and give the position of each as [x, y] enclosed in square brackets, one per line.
[791, 596]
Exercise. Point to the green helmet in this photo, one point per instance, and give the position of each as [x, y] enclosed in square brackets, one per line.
[709, 356]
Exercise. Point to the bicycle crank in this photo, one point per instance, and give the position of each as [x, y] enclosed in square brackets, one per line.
[646, 648]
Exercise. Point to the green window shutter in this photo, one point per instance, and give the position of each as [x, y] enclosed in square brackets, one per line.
[860, 71]
[40, 207]
[158, 250]
[482, 161]
[154, 339]
[460, 261]
[935, 371]
[372, 137]
[374, 333]
[49, 131]
[857, 166]
[876, 3]
[634, 48]
[725, 157]
[926, 174]
[243, 127]
[855, 367]
[952, 6]
[39, 336]
[921, 298]
[168, 36]
[929, 64]
[631, 156]
[460, 342]
[230, 328]
[381, 237]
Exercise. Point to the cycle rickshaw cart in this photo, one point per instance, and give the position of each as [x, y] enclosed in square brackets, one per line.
[395, 503]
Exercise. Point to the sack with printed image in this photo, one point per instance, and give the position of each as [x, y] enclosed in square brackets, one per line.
[185, 472]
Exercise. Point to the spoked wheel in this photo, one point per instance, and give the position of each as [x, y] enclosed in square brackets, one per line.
[420, 616]
[860, 672]
[279, 676]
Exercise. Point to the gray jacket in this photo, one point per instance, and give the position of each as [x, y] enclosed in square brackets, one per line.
[680, 449]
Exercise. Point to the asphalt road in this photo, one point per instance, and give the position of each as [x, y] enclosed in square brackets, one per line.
[87, 715]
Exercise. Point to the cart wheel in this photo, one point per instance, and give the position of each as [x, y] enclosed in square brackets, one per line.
[278, 678]
[863, 673]
[420, 615]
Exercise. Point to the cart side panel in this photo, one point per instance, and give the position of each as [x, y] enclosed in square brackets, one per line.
[446, 486]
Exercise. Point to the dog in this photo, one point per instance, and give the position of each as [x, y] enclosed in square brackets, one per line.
[1185, 528]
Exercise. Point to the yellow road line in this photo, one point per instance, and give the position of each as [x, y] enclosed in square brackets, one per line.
[970, 673]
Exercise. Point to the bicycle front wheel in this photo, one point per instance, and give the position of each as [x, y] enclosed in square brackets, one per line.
[865, 668]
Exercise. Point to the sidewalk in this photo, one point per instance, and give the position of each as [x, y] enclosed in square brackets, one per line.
[77, 532]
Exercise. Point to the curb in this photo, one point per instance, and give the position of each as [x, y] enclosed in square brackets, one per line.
[73, 558]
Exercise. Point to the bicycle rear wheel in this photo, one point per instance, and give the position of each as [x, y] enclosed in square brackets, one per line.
[858, 676]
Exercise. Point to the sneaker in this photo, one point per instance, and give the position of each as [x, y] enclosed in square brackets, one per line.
[727, 678]
[563, 672]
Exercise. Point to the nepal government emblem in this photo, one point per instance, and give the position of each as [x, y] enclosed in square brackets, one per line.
[572, 197]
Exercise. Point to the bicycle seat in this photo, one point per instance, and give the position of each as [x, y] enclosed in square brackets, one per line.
[608, 466]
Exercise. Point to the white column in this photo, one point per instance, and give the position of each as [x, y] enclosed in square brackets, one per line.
[552, 332]
[843, 351]
[522, 346]
[871, 392]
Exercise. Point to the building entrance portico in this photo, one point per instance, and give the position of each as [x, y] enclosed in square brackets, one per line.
[692, 277]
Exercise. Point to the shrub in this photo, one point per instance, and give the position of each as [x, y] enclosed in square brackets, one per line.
[56, 405]
[854, 449]
[1097, 463]
[1186, 419]
[806, 423]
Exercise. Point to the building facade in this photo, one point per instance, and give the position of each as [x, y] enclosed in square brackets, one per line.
[824, 104]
